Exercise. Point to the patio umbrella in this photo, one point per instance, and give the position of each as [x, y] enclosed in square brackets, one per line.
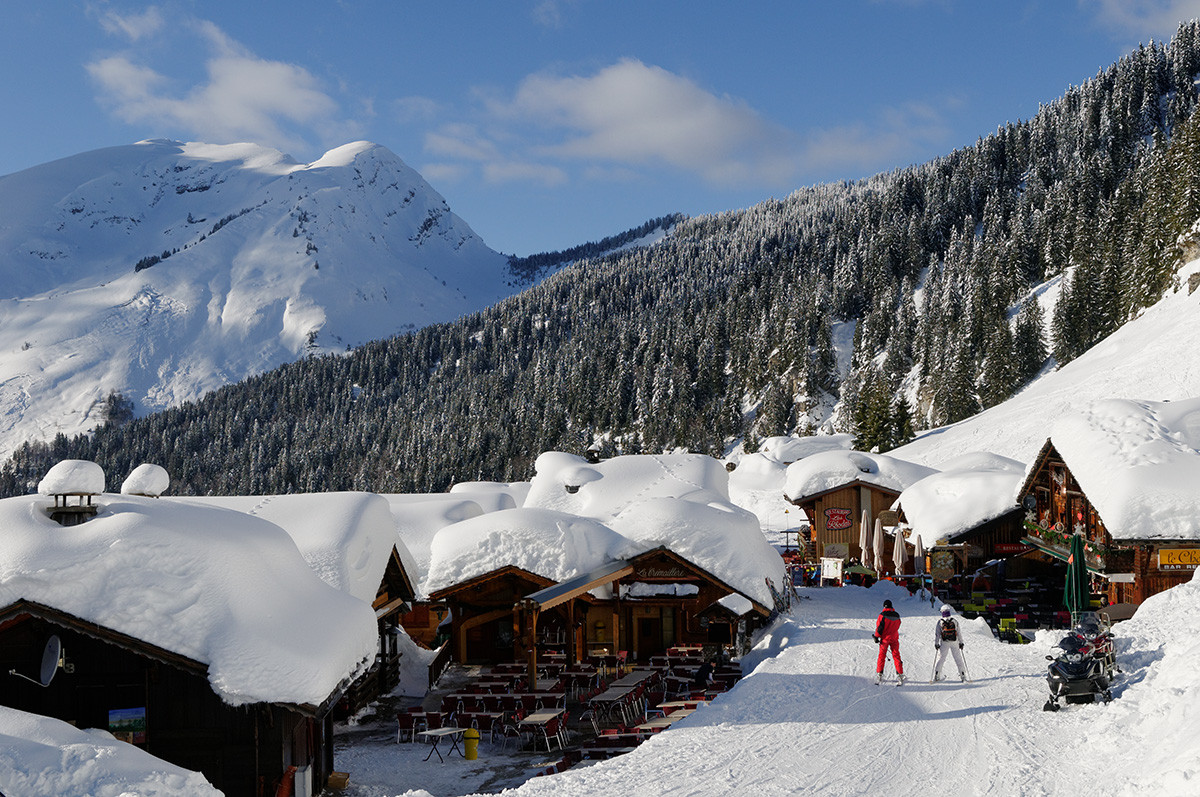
[1077, 593]
[864, 540]
[900, 552]
[878, 545]
[919, 557]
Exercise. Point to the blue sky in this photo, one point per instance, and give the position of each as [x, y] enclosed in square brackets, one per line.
[548, 123]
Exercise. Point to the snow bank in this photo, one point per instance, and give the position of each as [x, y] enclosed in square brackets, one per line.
[551, 544]
[39, 755]
[974, 489]
[493, 496]
[1139, 464]
[829, 470]
[223, 588]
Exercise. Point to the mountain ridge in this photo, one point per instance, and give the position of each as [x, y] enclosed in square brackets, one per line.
[166, 269]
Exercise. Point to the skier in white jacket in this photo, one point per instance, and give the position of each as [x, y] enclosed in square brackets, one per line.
[947, 638]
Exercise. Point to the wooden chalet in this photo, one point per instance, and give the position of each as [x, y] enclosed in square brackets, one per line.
[393, 600]
[835, 516]
[484, 625]
[160, 701]
[1131, 570]
[659, 601]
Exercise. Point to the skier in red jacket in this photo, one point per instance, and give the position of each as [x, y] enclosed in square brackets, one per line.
[887, 634]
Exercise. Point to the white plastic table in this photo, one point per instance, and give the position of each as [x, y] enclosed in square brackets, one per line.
[438, 734]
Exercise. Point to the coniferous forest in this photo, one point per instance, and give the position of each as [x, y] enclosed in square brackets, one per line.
[725, 329]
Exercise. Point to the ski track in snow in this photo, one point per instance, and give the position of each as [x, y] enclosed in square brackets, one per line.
[809, 719]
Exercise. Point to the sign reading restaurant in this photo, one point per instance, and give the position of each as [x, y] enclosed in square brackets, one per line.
[1178, 558]
[839, 519]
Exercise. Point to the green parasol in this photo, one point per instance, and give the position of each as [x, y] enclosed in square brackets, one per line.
[1077, 594]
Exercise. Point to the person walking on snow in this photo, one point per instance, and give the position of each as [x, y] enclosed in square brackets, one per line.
[947, 638]
[887, 634]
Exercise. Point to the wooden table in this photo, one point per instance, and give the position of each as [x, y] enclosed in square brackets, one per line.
[610, 698]
[541, 716]
[438, 734]
[674, 705]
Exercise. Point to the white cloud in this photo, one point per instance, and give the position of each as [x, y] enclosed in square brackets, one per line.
[516, 171]
[133, 26]
[892, 139]
[633, 114]
[550, 13]
[245, 98]
[461, 141]
[1143, 19]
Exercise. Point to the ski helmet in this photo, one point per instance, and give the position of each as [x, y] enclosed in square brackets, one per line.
[945, 611]
[887, 604]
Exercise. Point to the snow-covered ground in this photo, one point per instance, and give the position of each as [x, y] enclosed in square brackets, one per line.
[809, 719]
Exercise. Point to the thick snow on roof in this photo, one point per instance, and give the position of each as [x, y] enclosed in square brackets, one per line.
[974, 489]
[146, 479]
[680, 501]
[787, 449]
[738, 604]
[39, 755]
[493, 496]
[420, 517]
[552, 544]
[829, 470]
[347, 538]
[223, 588]
[1138, 462]
[73, 477]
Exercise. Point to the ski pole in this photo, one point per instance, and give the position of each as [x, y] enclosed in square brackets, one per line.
[966, 671]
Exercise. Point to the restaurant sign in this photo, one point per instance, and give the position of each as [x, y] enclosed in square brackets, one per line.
[839, 519]
[662, 573]
[1178, 558]
[1011, 547]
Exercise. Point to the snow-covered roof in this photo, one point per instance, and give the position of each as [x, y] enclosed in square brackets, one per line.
[40, 755]
[73, 477]
[347, 538]
[736, 604]
[146, 479]
[493, 496]
[829, 470]
[420, 517]
[787, 449]
[973, 489]
[222, 588]
[1138, 462]
[677, 501]
[551, 544]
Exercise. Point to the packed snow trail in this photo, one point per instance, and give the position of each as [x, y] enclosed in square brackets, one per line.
[810, 719]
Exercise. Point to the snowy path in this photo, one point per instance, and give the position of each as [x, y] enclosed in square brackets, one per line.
[810, 719]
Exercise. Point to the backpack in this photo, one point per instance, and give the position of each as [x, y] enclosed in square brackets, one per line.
[948, 629]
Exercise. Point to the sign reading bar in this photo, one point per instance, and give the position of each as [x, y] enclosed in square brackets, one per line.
[1178, 558]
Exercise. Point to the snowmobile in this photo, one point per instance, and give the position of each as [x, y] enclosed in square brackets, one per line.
[1076, 674]
[1093, 631]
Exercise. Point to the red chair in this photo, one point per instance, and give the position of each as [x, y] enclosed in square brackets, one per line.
[406, 725]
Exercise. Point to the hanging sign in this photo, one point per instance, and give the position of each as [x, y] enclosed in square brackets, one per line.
[839, 519]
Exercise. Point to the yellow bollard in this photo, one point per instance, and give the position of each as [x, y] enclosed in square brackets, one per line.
[471, 744]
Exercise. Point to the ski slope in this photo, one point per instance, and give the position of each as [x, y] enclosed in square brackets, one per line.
[810, 719]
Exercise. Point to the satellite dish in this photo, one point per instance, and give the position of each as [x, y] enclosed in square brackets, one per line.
[52, 659]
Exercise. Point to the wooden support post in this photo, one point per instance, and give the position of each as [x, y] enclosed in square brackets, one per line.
[531, 615]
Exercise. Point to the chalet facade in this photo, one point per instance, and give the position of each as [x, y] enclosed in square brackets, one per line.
[1128, 567]
[653, 601]
[162, 702]
[835, 516]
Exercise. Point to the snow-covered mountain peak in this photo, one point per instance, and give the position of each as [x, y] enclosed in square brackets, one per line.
[164, 269]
